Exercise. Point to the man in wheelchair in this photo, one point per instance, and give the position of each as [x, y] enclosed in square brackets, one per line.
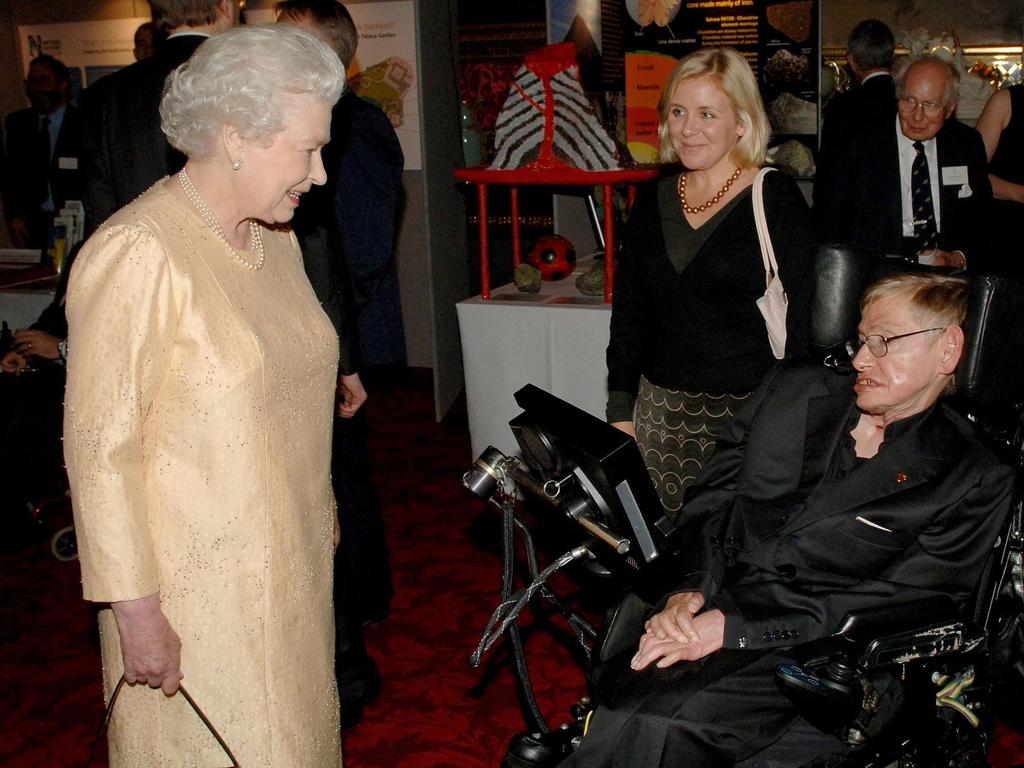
[828, 493]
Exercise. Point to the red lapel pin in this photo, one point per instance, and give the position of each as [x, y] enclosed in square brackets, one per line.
[901, 477]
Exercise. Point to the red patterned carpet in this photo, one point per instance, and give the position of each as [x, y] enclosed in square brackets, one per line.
[433, 711]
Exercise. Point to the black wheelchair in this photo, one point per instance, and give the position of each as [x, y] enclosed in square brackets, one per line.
[958, 667]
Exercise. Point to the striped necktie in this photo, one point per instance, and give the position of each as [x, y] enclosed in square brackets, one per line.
[921, 194]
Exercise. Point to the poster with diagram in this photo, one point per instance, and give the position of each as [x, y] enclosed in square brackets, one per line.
[780, 40]
[385, 71]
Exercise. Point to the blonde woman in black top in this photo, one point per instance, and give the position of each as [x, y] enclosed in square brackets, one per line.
[688, 343]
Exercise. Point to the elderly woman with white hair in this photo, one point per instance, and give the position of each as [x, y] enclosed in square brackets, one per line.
[200, 394]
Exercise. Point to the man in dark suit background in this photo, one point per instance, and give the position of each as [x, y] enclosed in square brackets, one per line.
[126, 152]
[147, 39]
[342, 227]
[868, 199]
[369, 172]
[827, 493]
[365, 162]
[43, 154]
[870, 52]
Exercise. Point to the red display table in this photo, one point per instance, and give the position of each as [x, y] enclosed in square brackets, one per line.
[484, 177]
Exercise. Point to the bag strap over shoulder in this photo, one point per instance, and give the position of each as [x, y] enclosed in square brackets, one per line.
[771, 267]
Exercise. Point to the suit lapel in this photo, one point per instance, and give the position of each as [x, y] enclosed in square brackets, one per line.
[819, 443]
[890, 189]
[945, 154]
[903, 464]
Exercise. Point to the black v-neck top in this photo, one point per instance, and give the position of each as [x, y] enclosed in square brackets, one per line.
[682, 241]
[700, 329]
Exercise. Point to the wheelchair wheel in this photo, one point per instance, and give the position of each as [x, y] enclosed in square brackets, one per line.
[64, 544]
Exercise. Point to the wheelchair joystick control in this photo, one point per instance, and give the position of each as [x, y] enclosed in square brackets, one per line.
[839, 673]
[829, 698]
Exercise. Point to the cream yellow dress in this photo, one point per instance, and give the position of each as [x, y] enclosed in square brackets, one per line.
[197, 437]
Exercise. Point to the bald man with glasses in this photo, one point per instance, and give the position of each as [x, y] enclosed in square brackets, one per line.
[915, 184]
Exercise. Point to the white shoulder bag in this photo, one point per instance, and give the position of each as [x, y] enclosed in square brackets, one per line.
[773, 304]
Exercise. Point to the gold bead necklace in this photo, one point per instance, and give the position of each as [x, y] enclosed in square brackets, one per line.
[713, 201]
[255, 237]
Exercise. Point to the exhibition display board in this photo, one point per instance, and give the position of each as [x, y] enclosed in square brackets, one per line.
[780, 41]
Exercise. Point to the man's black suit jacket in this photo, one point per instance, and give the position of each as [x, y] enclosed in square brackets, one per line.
[849, 113]
[324, 218]
[785, 555]
[23, 161]
[366, 159]
[860, 204]
[871, 100]
[126, 152]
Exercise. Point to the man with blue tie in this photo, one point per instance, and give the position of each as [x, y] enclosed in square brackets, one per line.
[42, 154]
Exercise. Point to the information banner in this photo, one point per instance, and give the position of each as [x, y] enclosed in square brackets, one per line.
[90, 49]
[780, 40]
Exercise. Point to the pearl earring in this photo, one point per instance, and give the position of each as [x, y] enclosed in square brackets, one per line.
[236, 164]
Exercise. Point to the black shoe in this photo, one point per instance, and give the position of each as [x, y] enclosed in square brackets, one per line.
[355, 696]
[539, 750]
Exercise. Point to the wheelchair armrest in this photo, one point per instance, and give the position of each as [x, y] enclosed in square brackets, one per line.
[937, 639]
[622, 628]
[827, 683]
[866, 624]
[898, 633]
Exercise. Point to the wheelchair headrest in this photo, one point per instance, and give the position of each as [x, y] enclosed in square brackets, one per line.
[988, 373]
[841, 275]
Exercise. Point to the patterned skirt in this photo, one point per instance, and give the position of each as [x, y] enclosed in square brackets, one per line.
[676, 432]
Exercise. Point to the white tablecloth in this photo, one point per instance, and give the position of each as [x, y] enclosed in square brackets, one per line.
[515, 339]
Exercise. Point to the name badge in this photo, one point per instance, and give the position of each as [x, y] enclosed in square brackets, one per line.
[71, 163]
[954, 175]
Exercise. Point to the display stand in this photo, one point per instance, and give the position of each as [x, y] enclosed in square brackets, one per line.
[484, 177]
[555, 339]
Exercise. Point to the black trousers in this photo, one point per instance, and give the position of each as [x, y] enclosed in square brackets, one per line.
[31, 454]
[705, 714]
[356, 673]
[366, 562]
[362, 570]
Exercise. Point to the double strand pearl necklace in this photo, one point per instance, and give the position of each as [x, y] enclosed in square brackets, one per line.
[713, 201]
[255, 238]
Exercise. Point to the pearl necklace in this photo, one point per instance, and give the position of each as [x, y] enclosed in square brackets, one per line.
[713, 201]
[255, 237]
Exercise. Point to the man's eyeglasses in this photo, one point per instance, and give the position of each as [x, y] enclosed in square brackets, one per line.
[878, 345]
[908, 105]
